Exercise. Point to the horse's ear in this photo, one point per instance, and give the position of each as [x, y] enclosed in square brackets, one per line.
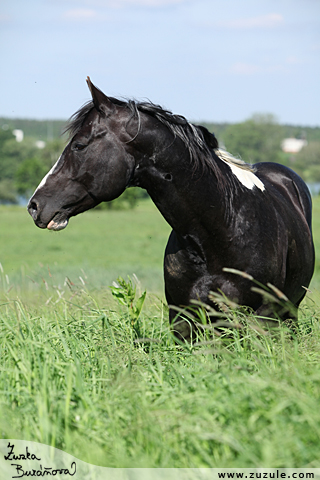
[100, 100]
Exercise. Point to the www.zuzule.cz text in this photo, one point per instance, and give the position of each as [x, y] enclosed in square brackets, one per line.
[278, 474]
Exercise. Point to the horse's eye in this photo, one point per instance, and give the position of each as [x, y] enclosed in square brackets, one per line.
[78, 146]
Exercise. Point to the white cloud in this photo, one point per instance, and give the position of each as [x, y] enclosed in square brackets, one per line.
[264, 21]
[79, 14]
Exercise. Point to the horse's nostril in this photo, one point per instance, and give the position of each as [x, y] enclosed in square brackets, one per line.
[33, 208]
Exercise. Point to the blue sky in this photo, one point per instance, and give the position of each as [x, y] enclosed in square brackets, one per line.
[205, 59]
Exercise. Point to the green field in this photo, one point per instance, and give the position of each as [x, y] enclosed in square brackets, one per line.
[74, 376]
[99, 245]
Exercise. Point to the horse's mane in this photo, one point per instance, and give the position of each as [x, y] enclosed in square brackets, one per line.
[201, 144]
[76, 121]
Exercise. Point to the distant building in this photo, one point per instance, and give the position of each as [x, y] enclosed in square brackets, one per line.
[40, 144]
[18, 134]
[293, 145]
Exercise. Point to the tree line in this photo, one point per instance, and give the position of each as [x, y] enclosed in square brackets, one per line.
[258, 139]
[23, 164]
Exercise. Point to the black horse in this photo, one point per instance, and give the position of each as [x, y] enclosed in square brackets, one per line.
[223, 212]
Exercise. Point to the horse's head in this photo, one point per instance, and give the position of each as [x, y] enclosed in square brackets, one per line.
[95, 166]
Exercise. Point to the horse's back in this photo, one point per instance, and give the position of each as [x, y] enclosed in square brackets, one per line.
[280, 179]
[289, 198]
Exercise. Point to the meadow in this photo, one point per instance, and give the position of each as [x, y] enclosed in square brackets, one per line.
[75, 375]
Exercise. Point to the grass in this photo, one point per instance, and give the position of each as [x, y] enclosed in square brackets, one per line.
[73, 376]
[99, 244]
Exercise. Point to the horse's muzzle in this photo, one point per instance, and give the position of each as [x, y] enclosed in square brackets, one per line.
[34, 210]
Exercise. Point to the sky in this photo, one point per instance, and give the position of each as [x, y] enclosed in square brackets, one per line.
[208, 60]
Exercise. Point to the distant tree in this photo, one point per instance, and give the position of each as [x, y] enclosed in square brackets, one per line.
[13, 153]
[4, 136]
[52, 151]
[255, 140]
[129, 199]
[37, 129]
[23, 165]
[307, 162]
[28, 176]
[8, 193]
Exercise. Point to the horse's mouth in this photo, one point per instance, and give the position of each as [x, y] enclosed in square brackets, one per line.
[60, 219]
[59, 222]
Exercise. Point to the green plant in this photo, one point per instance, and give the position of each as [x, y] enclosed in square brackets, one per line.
[125, 293]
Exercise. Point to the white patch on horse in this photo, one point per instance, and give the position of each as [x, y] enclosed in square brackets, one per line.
[238, 168]
[43, 181]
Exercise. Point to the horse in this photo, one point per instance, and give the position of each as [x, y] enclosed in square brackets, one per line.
[224, 213]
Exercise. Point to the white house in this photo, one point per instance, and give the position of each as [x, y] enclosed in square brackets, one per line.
[293, 145]
[18, 134]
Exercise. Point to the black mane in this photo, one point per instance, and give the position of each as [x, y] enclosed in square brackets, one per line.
[77, 119]
[198, 140]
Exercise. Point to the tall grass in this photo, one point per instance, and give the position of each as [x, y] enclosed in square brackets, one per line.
[73, 375]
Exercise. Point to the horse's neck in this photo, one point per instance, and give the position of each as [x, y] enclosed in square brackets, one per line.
[188, 198]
